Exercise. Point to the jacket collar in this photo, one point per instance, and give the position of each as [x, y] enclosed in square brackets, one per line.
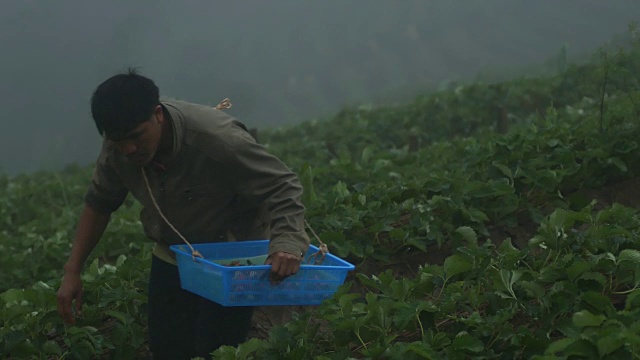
[177, 122]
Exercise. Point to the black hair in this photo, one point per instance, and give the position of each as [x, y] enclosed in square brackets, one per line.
[123, 102]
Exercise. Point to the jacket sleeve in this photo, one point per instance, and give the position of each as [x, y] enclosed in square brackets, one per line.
[106, 191]
[259, 175]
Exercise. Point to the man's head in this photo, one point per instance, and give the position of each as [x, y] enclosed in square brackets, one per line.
[126, 109]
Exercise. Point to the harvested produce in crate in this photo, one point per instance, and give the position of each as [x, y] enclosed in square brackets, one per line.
[248, 261]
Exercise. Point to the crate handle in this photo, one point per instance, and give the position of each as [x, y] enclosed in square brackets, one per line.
[323, 249]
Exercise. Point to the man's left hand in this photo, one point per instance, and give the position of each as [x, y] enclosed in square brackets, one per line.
[282, 265]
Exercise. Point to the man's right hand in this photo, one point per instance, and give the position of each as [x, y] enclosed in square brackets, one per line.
[70, 289]
[90, 228]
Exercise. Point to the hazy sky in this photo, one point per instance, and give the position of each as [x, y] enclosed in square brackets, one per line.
[279, 61]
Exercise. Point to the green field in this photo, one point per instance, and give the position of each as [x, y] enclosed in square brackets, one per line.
[486, 221]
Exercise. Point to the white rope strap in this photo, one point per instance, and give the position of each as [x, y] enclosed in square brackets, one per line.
[323, 249]
[223, 105]
[194, 252]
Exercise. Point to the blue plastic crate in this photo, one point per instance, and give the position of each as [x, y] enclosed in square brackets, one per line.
[250, 285]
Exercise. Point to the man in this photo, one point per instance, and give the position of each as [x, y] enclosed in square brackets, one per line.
[210, 180]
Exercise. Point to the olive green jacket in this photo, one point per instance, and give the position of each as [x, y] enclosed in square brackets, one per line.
[218, 185]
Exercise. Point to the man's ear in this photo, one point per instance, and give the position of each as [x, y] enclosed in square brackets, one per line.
[159, 114]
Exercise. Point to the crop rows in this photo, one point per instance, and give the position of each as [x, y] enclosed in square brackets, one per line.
[531, 266]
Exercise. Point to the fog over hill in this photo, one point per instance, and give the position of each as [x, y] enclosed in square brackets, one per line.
[280, 61]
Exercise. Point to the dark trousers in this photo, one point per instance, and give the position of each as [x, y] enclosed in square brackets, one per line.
[183, 325]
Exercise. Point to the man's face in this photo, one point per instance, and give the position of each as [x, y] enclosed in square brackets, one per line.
[140, 145]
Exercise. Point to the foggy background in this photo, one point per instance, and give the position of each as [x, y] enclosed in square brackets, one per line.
[279, 61]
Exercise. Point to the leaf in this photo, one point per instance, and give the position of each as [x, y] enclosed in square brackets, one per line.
[367, 154]
[477, 216]
[503, 169]
[306, 179]
[13, 296]
[440, 340]
[432, 270]
[509, 254]
[248, 348]
[603, 216]
[508, 278]
[625, 146]
[12, 339]
[551, 276]
[609, 344]
[538, 240]
[468, 234]
[629, 255]
[121, 259]
[558, 219]
[348, 298]
[468, 343]
[51, 347]
[40, 285]
[610, 256]
[632, 338]
[398, 234]
[456, 264]
[405, 313]
[122, 317]
[585, 318]
[581, 348]
[577, 268]
[534, 290]
[618, 163]
[559, 345]
[595, 276]
[598, 301]
[24, 350]
[94, 270]
[367, 281]
[15, 311]
[633, 300]
[424, 350]
[418, 243]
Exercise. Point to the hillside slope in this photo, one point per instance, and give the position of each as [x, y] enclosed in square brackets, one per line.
[469, 214]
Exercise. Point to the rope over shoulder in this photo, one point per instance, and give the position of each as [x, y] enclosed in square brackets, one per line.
[223, 105]
[194, 253]
[317, 258]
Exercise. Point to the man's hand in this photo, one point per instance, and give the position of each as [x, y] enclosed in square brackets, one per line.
[70, 289]
[90, 228]
[282, 265]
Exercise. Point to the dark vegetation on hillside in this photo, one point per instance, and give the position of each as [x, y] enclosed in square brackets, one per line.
[469, 213]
